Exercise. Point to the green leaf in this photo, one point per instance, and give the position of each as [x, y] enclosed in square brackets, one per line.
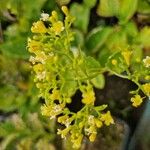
[91, 63]
[90, 3]
[103, 55]
[131, 29]
[127, 10]
[78, 38]
[97, 38]
[119, 66]
[15, 48]
[108, 8]
[69, 84]
[100, 108]
[117, 40]
[82, 15]
[99, 81]
[144, 37]
[143, 7]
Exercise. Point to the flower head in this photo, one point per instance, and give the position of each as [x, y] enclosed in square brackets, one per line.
[57, 27]
[107, 118]
[88, 97]
[136, 100]
[38, 27]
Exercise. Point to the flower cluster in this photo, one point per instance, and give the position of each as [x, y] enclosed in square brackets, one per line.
[59, 74]
[61, 70]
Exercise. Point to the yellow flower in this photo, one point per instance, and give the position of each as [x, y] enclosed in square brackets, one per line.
[136, 100]
[114, 62]
[88, 97]
[38, 68]
[127, 56]
[146, 88]
[77, 140]
[147, 61]
[55, 95]
[38, 27]
[92, 137]
[33, 45]
[107, 118]
[98, 123]
[45, 110]
[57, 27]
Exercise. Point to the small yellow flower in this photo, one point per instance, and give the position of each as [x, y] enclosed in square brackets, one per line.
[107, 118]
[55, 95]
[38, 68]
[45, 110]
[88, 97]
[146, 88]
[57, 27]
[38, 27]
[92, 137]
[77, 141]
[114, 62]
[147, 61]
[33, 45]
[64, 132]
[127, 56]
[98, 123]
[136, 100]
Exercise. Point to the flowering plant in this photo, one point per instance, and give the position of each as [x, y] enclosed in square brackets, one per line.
[61, 70]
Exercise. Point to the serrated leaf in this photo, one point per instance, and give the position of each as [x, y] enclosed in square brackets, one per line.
[97, 38]
[99, 81]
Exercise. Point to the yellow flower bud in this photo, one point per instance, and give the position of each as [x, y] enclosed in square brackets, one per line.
[55, 15]
[92, 137]
[65, 10]
[114, 62]
[136, 100]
